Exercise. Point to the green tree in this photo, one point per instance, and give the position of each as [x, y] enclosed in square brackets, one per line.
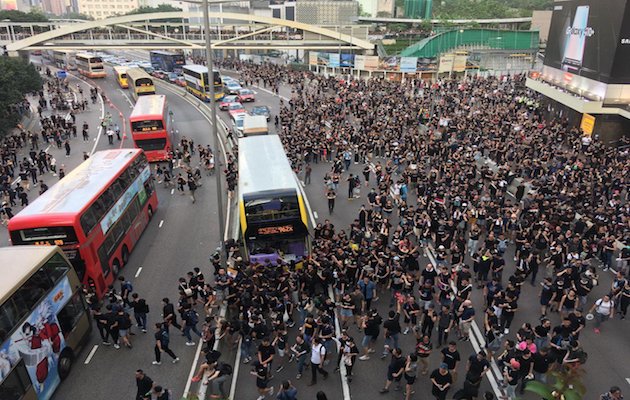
[159, 8]
[74, 15]
[18, 78]
[19, 16]
[362, 12]
[567, 385]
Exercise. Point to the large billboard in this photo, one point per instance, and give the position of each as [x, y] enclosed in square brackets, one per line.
[586, 35]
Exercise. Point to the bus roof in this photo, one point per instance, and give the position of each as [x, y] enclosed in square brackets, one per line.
[136, 73]
[86, 55]
[120, 69]
[166, 53]
[18, 264]
[149, 105]
[263, 165]
[81, 186]
[196, 68]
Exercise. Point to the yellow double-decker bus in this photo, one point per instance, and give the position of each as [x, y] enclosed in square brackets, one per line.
[139, 82]
[44, 321]
[121, 76]
[197, 82]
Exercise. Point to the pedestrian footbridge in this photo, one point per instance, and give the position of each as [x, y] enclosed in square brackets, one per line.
[182, 30]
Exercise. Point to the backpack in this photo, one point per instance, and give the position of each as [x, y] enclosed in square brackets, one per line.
[165, 337]
[225, 369]
[193, 317]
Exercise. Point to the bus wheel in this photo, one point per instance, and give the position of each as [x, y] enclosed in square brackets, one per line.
[65, 363]
[116, 267]
[150, 212]
[125, 255]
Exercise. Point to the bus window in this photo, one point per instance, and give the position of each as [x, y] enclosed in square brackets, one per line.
[70, 315]
[16, 384]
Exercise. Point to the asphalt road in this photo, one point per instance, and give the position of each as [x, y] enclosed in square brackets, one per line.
[182, 235]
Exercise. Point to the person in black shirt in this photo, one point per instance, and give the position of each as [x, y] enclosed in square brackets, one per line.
[392, 331]
[162, 339]
[542, 360]
[441, 380]
[451, 357]
[266, 353]
[168, 313]
[395, 370]
[478, 364]
[143, 383]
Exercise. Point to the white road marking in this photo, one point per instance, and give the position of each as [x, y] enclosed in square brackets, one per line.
[628, 380]
[161, 223]
[89, 357]
[345, 389]
[201, 393]
[172, 191]
[126, 98]
[100, 127]
[315, 214]
[473, 337]
[272, 93]
[138, 272]
[236, 369]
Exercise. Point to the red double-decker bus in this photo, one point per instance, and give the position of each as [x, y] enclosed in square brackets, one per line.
[150, 126]
[96, 214]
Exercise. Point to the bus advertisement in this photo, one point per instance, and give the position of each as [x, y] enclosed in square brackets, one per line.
[139, 82]
[45, 321]
[150, 127]
[120, 72]
[90, 65]
[273, 214]
[196, 77]
[167, 61]
[96, 213]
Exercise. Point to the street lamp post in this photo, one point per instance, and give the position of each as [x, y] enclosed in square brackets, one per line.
[213, 121]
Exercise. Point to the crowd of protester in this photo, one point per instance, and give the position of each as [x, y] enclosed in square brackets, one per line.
[556, 204]
[418, 149]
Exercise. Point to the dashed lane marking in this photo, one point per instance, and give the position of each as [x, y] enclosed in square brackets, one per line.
[315, 214]
[161, 223]
[92, 352]
[138, 272]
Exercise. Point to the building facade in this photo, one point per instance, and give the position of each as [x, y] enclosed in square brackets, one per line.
[99, 9]
[326, 12]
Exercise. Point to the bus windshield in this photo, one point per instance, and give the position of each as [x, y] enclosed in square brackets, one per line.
[57, 235]
[270, 209]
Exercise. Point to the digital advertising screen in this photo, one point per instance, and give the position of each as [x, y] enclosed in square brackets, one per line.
[586, 35]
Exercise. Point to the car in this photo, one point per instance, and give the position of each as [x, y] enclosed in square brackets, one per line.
[159, 74]
[171, 77]
[237, 124]
[235, 108]
[148, 69]
[232, 87]
[226, 100]
[262, 110]
[245, 95]
[180, 81]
